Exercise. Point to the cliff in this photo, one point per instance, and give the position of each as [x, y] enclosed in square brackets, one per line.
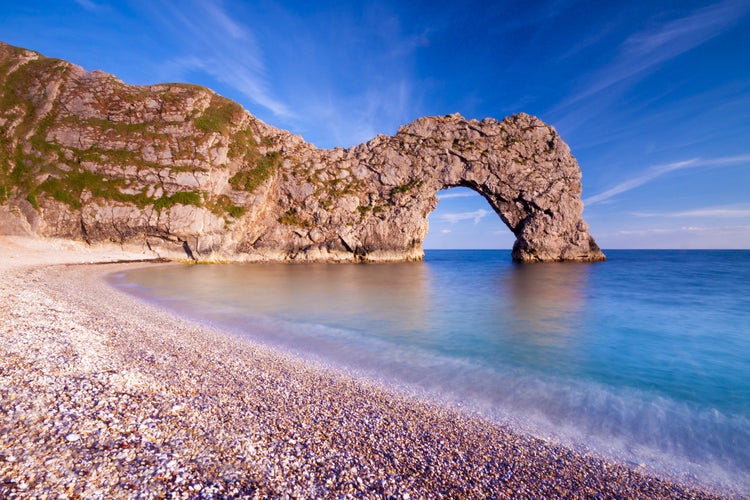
[176, 167]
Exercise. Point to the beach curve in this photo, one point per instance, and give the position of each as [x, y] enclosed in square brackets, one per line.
[102, 395]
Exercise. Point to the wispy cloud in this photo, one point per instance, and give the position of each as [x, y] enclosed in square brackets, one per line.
[347, 120]
[358, 78]
[337, 75]
[740, 230]
[221, 19]
[587, 42]
[476, 216]
[688, 236]
[731, 211]
[647, 50]
[448, 196]
[647, 176]
[657, 171]
[671, 230]
[638, 56]
[219, 46]
[88, 4]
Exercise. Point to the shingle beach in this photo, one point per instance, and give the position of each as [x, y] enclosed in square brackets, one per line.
[104, 396]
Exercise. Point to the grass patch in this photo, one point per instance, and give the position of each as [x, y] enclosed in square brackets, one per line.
[122, 129]
[31, 198]
[222, 205]
[18, 88]
[236, 211]
[291, 218]
[181, 198]
[242, 144]
[68, 189]
[363, 209]
[403, 188]
[249, 180]
[21, 174]
[218, 115]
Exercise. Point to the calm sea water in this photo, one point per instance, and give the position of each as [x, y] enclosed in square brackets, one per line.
[645, 357]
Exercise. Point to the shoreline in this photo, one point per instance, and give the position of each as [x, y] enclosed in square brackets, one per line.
[102, 394]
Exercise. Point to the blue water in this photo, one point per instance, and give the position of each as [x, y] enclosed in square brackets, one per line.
[645, 357]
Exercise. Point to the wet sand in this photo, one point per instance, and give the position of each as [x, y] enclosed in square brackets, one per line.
[104, 396]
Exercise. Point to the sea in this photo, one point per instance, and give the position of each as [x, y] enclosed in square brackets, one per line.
[644, 358]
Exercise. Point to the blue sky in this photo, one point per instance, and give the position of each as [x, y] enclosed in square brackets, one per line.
[652, 97]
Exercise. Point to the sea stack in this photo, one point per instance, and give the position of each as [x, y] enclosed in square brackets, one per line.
[178, 168]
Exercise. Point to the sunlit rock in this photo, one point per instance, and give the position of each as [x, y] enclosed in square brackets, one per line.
[178, 168]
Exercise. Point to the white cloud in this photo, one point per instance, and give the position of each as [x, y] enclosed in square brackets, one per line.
[445, 231]
[476, 216]
[650, 48]
[637, 57]
[644, 232]
[224, 22]
[219, 46]
[686, 237]
[649, 175]
[448, 196]
[88, 4]
[354, 119]
[713, 212]
[659, 170]
[331, 77]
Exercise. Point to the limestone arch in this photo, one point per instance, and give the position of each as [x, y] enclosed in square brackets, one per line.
[520, 166]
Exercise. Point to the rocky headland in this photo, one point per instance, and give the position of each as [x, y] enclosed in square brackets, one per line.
[176, 169]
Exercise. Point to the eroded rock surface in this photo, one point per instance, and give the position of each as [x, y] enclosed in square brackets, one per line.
[85, 156]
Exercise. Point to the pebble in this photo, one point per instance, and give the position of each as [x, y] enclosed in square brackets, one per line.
[174, 409]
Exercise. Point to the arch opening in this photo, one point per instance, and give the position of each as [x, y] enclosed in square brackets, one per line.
[465, 220]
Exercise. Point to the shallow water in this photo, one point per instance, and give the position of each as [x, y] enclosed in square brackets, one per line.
[645, 357]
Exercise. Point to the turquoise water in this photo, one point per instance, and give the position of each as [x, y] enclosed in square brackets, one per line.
[645, 357]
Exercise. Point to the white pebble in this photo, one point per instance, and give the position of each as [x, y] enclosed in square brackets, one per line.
[73, 437]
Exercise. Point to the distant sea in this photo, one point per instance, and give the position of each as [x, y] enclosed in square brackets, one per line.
[644, 358]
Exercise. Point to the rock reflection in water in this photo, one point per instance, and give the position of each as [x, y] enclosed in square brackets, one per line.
[389, 297]
[546, 301]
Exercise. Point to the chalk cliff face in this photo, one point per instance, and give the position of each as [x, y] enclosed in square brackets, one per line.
[176, 166]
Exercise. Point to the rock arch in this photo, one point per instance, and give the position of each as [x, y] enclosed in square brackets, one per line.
[519, 165]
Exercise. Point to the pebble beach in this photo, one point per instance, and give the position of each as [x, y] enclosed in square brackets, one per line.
[105, 396]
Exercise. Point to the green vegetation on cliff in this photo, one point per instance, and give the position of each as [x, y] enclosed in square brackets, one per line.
[292, 218]
[256, 166]
[405, 188]
[264, 167]
[119, 125]
[218, 116]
